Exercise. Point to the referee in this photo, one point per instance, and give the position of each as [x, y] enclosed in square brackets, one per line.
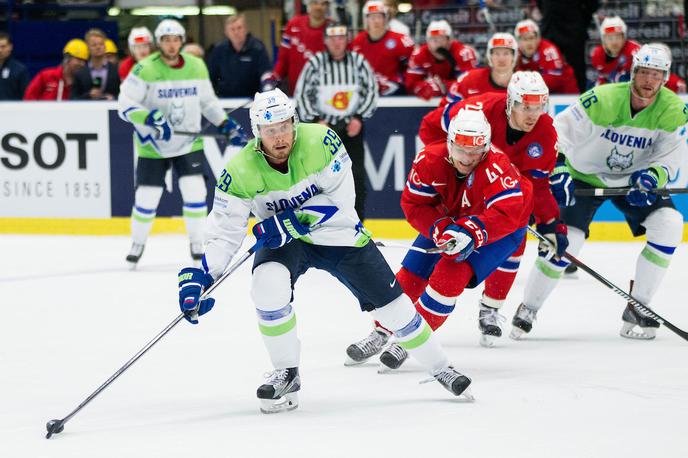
[337, 87]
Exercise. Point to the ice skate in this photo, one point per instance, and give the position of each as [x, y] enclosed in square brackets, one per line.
[571, 272]
[522, 321]
[489, 323]
[454, 381]
[135, 254]
[196, 250]
[392, 358]
[637, 326]
[359, 352]
[280, 391]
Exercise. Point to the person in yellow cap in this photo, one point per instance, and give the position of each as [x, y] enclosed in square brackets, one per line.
[55, 83]
[111, 52]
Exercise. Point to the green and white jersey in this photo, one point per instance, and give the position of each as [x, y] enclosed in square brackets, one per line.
[181, 94]
[604, 144]
[318, 185]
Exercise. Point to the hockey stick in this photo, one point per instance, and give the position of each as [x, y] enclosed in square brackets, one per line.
[492, 29]
[607, 192]
[410, 247]
[640, 307]
[205, 133]
[57, 426]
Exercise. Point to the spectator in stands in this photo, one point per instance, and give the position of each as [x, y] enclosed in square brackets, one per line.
[387, 52]
[435, 66]
[14, 77]
[111, 52]
[675, 82]
[194, 49]
[501, 55]
[613, 58]
[237, 63]
[302, 37]
[99, 79]
[395, 25]
[140, 46]
[56, 83]
[539, 55]
[341, 100]
[566, 25]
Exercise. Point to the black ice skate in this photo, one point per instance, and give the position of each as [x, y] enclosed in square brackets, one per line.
[647, 327]
[393, 357]
[571, 271]
[279, 393]
[359, 352]
[135, 254]
[454, 381]
[522, 322]
[489, 323]
[196, 250]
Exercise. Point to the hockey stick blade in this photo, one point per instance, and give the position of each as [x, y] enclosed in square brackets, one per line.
[56, 426]
[639, 306]
[612, 192]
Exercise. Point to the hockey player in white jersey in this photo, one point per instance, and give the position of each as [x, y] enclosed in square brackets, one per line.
[619, 135]
[296, 179]
[168, 91]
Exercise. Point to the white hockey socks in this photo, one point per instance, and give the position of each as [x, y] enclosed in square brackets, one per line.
[146, 202]
[664, 232]
[194, 209]
[412, 333]
[270, 290]
[545, 274]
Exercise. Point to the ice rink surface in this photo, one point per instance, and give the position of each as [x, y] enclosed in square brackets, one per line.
[73, 314]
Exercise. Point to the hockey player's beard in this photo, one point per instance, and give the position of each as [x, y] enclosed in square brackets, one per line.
[646, 94]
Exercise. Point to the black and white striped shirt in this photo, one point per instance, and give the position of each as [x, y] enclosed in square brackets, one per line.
[336, 91]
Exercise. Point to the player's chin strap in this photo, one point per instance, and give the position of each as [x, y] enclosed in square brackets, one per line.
[639, 306]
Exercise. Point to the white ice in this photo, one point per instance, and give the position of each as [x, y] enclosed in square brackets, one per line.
[72, 315]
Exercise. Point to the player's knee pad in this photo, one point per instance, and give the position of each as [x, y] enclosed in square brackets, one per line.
[664, 227]
[192, 188]
[396, 314]
[271, 286]
[147, 197]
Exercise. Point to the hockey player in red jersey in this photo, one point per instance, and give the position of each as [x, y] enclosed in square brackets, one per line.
[302, 38]
[523, 130]
[466, 198]
[386, 51]
[613, 58]
[436, 64]
[539, 55]
[502, 51]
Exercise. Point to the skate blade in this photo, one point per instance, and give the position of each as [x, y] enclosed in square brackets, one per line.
[628, 331]
[487, 341]
[352, 362]
[289, 401]
[467, 395]
[516, 333]
[131, 265]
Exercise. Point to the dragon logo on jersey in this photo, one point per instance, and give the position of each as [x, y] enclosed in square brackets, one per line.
[619, 162]
[534, 150]
[340, 100]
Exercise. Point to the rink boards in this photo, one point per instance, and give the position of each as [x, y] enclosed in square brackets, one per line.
[68, 168]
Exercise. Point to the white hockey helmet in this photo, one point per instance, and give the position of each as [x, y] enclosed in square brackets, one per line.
[140, 35]
[438, 28]
[527, 88]
[469, 129]
[375, 6]
[612, 24]
[169, 27]
[526, 26]
[502, 40]
[652, 56]
[271, 107]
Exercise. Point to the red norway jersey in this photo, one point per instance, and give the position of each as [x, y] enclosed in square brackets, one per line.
[300, 42]
[616, 69]
[125, 67]
[676, 83]
[48, 84]
[534, 154]
[548, 61]
[472, 83]
[493, 195]
[387, 56]
[423, 65]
